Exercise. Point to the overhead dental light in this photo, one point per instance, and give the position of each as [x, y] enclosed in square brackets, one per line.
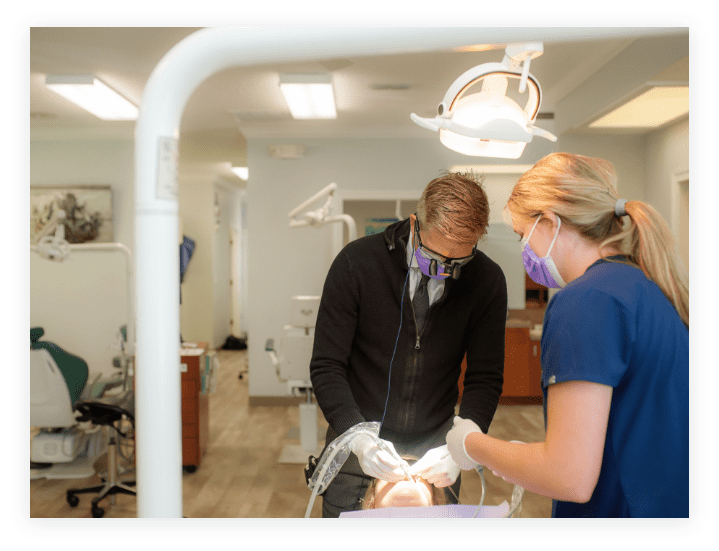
[94, 96]
[309, 96]
[489, 123]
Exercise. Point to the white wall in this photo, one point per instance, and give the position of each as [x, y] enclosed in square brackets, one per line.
[626, 153]
[82, 302]
[242, 270]
[667, 153]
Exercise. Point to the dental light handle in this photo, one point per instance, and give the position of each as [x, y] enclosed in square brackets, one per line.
[524, 51]
[525, 74]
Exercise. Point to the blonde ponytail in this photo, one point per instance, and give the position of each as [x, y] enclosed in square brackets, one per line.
[582, 191]
[648, 241]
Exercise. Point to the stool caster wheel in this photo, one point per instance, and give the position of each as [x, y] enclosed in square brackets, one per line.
[98, 512]
[72, 500]
[190, 468]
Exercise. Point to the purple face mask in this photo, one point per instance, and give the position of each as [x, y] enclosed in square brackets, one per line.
[542, 270]
[425, 266]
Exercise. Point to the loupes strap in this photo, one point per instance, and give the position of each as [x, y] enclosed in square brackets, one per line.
[619, 208]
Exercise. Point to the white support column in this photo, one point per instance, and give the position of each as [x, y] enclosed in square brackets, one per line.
[179, 73]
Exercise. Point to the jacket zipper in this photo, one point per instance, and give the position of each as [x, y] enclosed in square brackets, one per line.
[417, 332]
[438, 301]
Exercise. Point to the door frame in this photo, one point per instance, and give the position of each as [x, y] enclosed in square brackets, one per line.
[342, 195]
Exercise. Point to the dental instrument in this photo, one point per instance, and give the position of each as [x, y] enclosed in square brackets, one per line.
[382, 445]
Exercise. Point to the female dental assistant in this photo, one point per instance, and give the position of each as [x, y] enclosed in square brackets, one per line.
[615, 351]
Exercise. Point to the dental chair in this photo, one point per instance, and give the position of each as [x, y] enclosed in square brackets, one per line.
[292, 364]
[57, 382]
[60, 400]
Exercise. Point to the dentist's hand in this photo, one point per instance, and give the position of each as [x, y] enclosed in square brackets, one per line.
[455, 442]
[377, 462]
[436, 467]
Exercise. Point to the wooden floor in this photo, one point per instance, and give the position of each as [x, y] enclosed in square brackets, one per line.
[240, 475]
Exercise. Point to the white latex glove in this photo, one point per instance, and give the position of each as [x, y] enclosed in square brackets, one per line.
[377, 462]
[436, 467]
[455, 442]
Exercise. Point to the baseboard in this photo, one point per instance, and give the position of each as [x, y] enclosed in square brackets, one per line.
[276, 401]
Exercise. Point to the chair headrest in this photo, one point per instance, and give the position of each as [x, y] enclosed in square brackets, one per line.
[35, 334]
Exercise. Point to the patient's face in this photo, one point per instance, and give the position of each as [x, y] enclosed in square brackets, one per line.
[406, 493]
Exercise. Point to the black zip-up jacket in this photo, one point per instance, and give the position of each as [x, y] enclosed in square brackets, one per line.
[357, 327]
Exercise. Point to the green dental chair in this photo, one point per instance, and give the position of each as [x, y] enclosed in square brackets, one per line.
[59, 401]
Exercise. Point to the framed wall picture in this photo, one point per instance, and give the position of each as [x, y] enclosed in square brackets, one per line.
[88, 213]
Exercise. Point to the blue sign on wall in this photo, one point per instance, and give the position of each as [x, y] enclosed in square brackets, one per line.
[378, 225]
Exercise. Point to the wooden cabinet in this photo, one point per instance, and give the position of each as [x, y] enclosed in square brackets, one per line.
[195, 410]
[522, 368]
[535, 367]
[536, 295]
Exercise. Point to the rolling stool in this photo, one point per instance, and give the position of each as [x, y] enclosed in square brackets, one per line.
[106, 411]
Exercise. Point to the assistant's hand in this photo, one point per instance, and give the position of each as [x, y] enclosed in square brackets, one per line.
[436, 467]
[377, 462]
[455, 442]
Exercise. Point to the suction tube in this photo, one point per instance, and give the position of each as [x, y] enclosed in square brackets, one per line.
[334, 457]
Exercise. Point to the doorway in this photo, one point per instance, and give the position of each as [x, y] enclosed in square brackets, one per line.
[680, 214]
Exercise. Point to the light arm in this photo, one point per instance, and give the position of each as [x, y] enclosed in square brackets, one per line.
[566, 465]
[320, 216]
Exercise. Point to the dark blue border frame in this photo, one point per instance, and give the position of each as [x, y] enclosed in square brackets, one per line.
[314, 529]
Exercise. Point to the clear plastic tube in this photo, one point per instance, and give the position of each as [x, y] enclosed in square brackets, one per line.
[516, 506]
[480, 472]
[334, 456]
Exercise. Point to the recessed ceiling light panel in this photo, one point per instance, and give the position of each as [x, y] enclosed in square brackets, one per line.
[309, 96]
[651, 109]
[93, 95]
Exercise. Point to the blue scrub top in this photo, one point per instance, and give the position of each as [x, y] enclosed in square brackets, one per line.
[615, 327]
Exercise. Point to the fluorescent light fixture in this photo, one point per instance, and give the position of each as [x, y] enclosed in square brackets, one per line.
[94, 96]
[242, 172]
[309, 96]
[651, 109]
[489, 123]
